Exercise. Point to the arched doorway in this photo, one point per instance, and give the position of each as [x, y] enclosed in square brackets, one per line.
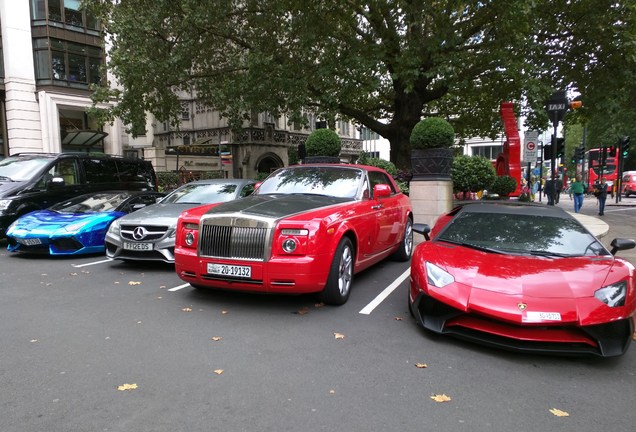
[268, 162]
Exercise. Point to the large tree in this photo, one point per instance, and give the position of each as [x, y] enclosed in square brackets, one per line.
[384, 64]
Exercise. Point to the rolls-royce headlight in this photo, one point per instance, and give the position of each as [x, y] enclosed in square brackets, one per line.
[189, 238]
[290, 245]
[613, 295]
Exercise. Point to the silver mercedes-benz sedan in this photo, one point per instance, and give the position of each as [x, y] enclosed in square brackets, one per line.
[148, 234]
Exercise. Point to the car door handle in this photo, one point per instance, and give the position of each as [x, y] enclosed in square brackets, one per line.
[377, 207]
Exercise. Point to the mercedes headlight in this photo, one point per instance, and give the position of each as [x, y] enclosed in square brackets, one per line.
[613, 295]
[438, 277]
[114, 227]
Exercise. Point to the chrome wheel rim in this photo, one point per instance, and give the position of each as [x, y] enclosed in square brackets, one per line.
[345, 272]
[408, 239]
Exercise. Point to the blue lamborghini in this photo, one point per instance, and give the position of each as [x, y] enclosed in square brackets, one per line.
[75, 226]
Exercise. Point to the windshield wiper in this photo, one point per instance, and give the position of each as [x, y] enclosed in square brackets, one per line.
[473, 246]
[550, 254]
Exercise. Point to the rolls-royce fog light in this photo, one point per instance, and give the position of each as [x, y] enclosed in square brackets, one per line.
[189, 239]
[289, 245]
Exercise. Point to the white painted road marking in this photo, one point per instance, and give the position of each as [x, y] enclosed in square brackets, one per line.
[384, 294]
[90, 264]
[177, 288]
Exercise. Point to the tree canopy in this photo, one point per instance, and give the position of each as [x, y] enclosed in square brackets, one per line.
[385, 64]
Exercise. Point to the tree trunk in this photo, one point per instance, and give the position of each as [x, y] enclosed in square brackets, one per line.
[400, 145]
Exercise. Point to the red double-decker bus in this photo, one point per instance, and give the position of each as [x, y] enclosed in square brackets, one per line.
[598, 165]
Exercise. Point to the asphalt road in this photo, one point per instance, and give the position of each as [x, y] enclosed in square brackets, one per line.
[88, 345]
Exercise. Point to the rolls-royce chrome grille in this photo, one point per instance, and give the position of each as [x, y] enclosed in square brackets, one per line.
[235, 242]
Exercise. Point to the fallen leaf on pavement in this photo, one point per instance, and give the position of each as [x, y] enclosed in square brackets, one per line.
[559, 413]
[127, 387]
[338, 335]
[134, 283]
[398, 318]
[224, 312]
[218, 371]
[421, 365]
[216, 338]
[303, 311]
[73, 274]
[440, 398]
[187, 309]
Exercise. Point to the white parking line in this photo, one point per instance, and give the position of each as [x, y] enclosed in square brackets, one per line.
[177, 288]
[384, 294]
[93, 263]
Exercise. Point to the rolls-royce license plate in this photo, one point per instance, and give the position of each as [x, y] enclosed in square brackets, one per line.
[230, 270]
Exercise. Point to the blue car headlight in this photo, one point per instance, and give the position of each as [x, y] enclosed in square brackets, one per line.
[613, 295]
[438, 277]
[73, 228]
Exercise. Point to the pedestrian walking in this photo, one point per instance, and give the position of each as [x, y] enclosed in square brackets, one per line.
[549, 190]
[600, 192]
[577, 191]
[557, 190]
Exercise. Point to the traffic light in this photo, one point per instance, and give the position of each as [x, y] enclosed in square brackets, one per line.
[625, 146]
[560, 147]
[547, 152]
[579, 153]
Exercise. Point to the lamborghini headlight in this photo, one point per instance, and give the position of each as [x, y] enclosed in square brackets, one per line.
[73, 228]
[613, 295]
[438, 277]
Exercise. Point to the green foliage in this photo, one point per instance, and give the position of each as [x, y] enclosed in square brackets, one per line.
[472, 173]
[432, 132]
[503, 185]
[211, 175]
[261, 176]
[167, 180]
[292, 155]
[323, 142]
[386, 165]
[388, 59]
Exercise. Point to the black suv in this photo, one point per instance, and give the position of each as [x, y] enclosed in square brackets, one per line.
[32, 181]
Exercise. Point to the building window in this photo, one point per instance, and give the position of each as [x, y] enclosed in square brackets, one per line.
[489, 152]
[66, 63]
[72, 14]
[55, 10]
[185, 111]
[65, 14]
[186, 140]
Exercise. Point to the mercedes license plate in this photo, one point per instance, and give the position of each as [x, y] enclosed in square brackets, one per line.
[138, 246]
[230, 270]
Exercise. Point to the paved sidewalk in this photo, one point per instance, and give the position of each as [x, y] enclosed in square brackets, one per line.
[595, 225]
